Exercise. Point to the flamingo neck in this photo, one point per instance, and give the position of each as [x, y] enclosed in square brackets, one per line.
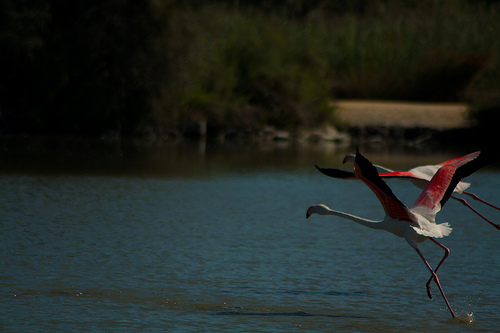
[367, 223]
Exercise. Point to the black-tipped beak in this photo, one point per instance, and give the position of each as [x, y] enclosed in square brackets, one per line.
[349, 158]
[311, 210]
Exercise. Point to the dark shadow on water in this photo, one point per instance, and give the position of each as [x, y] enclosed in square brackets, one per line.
[328, 293]
[284, 314]
[298, 292]
[241, 311]
[187, 159]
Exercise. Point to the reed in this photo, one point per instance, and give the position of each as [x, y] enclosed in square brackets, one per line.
[242, 69]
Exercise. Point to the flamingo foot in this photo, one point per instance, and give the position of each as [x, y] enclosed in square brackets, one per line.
[464, 318]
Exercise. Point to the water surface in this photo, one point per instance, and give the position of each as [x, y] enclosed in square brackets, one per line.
[194, 239]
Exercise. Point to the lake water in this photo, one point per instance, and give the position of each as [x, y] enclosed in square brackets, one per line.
[214, 239]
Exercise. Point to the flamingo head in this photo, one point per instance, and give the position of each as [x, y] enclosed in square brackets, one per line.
[349, 158]
[316, 209]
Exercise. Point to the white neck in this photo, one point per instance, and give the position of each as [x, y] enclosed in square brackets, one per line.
[367, 223]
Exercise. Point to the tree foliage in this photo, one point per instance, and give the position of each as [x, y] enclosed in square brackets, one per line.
[76, 67]
[89, 67]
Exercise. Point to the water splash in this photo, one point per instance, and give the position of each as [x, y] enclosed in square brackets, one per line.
[464, 318]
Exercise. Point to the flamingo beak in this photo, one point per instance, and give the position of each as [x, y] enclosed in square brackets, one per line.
[310, 211]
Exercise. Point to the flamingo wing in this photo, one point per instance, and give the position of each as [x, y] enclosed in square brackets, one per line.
[453, 160]
[442, 185]
[393, 207]
[336, 173]
[341, 174]
[400, 174]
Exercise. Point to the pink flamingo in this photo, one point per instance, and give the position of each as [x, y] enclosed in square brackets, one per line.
[420, 176]
[415, 224]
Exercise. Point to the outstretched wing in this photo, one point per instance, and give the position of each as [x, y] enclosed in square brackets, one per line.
[441, 186]
[400, 174]
[336, 173]
[393, 207]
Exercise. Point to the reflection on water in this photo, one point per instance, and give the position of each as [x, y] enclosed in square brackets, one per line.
[129, 237]
[134, 158]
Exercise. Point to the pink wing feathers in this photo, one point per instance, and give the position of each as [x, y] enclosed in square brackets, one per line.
[441, 186]
[399, 174]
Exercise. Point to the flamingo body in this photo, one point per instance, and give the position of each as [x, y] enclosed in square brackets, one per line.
[420, 177]
[415, 224]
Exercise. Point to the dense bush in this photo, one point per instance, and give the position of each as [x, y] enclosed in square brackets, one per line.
[90, 67]
[243, 73]
[245, 68]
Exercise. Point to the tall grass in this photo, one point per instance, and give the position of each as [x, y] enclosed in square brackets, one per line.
[242, 69]
[430, 56]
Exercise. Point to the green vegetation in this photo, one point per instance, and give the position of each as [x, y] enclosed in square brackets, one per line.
[96, 67]
[241, 73]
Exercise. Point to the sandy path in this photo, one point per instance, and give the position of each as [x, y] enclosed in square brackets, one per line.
[397, 114]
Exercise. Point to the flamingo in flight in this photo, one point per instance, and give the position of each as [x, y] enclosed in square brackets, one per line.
[415, 224]
[420, 176]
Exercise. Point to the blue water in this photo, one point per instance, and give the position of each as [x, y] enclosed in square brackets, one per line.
[230, 250]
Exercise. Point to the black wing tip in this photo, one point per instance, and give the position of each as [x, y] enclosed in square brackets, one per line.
[335, 173]
[486, 156]
[370, 172]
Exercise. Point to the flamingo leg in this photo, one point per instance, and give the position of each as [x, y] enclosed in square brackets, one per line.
[436, 279]
[475, 197]
[446, 254]
[475, 211]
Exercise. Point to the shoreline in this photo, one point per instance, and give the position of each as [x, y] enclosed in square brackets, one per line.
[441, 116]
[380, 123]
[396, 123]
